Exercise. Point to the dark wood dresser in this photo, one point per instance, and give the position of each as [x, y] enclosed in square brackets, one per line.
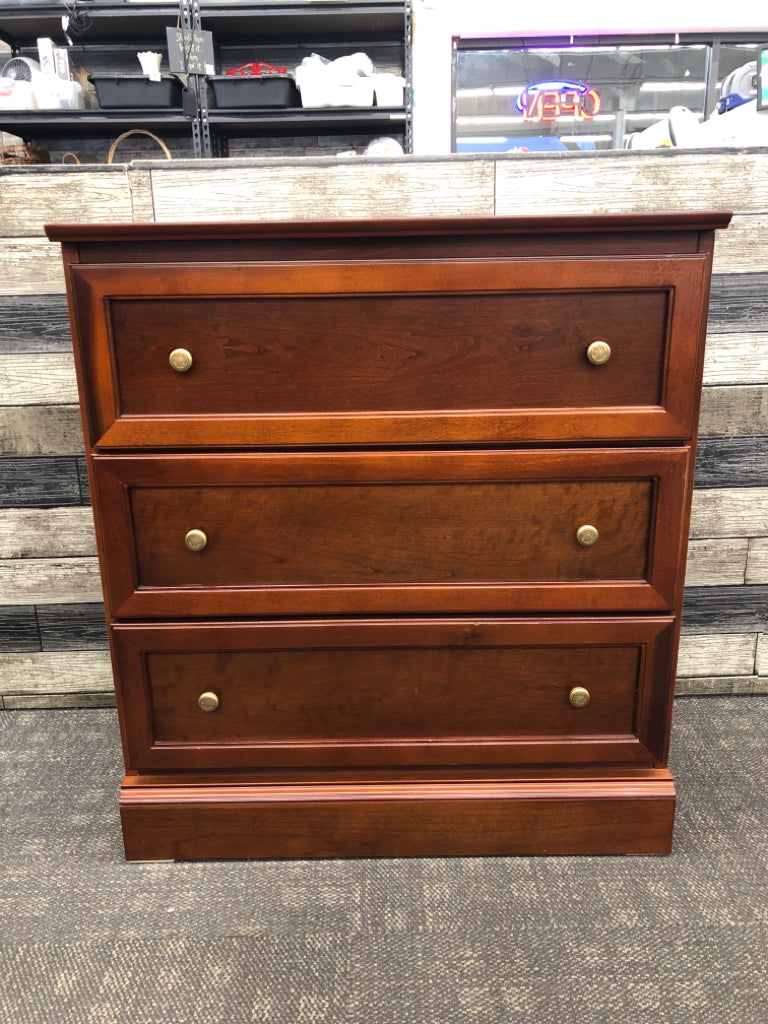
[392, 520]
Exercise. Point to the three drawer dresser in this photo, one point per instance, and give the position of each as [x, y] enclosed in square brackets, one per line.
[392, 522]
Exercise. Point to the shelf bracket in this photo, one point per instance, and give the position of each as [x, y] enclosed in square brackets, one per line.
[196, 81]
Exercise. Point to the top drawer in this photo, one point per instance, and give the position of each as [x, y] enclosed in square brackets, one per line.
[422, 352]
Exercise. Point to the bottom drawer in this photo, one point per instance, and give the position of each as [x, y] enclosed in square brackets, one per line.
[415, 692]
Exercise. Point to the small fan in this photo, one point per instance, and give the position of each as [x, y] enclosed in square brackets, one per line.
[20, 69]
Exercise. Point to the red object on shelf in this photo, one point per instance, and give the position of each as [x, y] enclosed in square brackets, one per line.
[256, 69]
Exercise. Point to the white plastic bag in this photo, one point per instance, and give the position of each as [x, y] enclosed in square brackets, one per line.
[344, 82]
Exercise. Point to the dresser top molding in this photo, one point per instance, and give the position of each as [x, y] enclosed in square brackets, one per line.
[405, 226]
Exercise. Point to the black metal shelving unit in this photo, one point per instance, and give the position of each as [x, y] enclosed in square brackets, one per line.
[112, 26]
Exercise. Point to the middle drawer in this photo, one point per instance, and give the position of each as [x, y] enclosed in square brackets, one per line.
[391, 532]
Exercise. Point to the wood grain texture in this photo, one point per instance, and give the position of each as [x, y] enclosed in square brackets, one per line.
[633, 184]
[72, 627]
[743, 248]
[358, 533]
[729, 512]
[396, 821]
[38, 379]
[49, 581]
[761, 660]
[41, 430]
[140, 191]
[57, 672]
[757, 561]
[731, 654]
[705, 686]
[34, 323]
[740, 411]
[737, 304]
[732, 462]
[736, 609]
[18, 629]
[28, 201]
[716, 562]
[736, 358]
[42, 482]
[46, 533]
[30, 266]
[50, 701]
[332, 190]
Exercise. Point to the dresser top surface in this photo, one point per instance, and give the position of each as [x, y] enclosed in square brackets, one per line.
[399, 227]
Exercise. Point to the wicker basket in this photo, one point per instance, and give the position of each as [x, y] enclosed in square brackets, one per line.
[136, 131]
[22, 154]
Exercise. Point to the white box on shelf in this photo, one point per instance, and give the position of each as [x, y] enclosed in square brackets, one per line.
[389, 90]
[54, 94]
[17, 95]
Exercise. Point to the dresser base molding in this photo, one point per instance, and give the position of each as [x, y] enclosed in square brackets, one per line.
[622, 815]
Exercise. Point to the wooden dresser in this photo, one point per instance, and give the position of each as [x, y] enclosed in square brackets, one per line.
[392, 519]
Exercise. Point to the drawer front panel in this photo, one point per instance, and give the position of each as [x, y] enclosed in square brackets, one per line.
[390, 353]
[352, 535]
[407, 532]
[398, 692]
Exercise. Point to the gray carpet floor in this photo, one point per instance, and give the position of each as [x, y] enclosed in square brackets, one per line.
[87, 938]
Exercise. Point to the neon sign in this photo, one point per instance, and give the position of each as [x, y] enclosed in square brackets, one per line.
[547, 101]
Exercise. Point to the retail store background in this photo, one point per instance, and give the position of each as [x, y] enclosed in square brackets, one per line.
[53, 648]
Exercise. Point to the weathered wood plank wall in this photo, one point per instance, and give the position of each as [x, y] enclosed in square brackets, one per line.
[52, 637]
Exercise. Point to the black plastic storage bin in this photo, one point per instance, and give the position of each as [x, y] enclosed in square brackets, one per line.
[136, 91]
[255, 91]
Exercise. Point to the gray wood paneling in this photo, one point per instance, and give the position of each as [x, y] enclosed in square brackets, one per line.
[56, 672]
[757, 561]
[741, 410]
[18, 629]
[31, 266]
[48, 701]
[729, 512]
[727, 654]
[761, 661]
[72, 627]
[140, 188]
[710, 685]
[738, 303]
[38, 379]
[732, 462]
[29, 201]
[736, 359]
[632, 183]
[47, 533]
[743, 247]
[41, 430]
[82, 476]
[737, 609]
[325, 190]
[39, 482]
[34, 323]
[49, 581]
[717, 562]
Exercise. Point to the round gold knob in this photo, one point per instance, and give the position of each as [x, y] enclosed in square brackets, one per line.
[180, 360]
[599, 352]
[195, 540]
[579, 697]
[587, 536]
[208, 701]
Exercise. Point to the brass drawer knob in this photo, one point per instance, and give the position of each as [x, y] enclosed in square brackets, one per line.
[599, 352]
[195, 540]
[180, 360]
[587, 535]
[579, 697]
[208, 701]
